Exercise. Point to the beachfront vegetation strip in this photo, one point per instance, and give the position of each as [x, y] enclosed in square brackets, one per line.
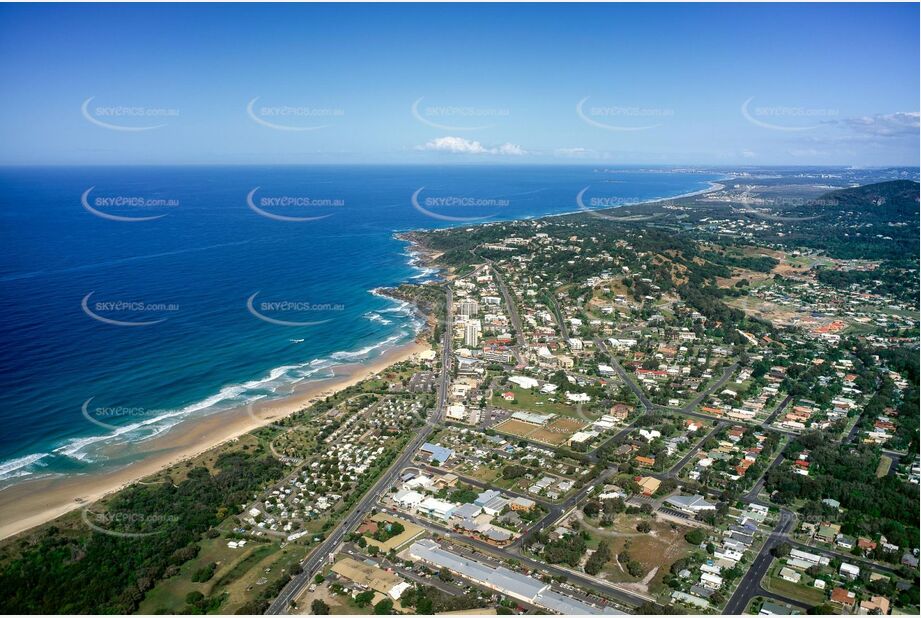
[160, 527]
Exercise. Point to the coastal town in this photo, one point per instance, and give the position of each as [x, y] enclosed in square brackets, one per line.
[586, 432]
[459, 309]
[604, 446]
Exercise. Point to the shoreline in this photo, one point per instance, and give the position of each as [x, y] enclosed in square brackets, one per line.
[714, 185]
[31, 503]
[47, 498]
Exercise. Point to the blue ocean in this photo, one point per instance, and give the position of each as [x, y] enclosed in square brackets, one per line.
[134, 298]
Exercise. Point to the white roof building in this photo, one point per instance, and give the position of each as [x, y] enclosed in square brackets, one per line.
[523, 381]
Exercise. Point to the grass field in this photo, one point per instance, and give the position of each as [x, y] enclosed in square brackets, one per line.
[553, 433]
[529, 400]
[805, 593]
[170, 593]
[339, 605]
[883, 468]
[239, 575]
[410, 531]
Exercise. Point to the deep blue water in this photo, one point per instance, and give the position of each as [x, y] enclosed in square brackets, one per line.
[197, 266]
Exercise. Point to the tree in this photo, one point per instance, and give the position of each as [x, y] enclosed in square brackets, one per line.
[635, 568]
[643, 527]
[363, 599]
[825, 609]
[598, 558]
[781, 550]
[591, 508]
[424, 606]
[383, 607]
[696, 536]
[319, 607]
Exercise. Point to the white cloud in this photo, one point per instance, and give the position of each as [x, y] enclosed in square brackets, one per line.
[575, 153]
[885, 125]
[511, 149]
[459, 145]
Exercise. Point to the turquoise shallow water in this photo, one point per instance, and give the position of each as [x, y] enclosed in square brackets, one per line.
[116, 329]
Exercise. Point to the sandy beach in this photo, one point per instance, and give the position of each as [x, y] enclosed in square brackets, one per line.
[31, 503]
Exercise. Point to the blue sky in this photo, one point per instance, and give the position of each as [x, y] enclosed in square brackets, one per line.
[626, 84]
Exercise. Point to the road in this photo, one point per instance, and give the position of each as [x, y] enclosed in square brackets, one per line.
[384, 563]
[750, 586]
[554, 308]
[852, 559]
[724, 377]
[780, 408]
[507, 553]
[674, 470]
[509, 302]
[627, 379]
[328, 546]
[555, 511]
[484, 485]
[752, 494]
[512, 313]
[688, 408]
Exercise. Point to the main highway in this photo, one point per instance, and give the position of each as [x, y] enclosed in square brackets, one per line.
[328, 546]
[750, 586]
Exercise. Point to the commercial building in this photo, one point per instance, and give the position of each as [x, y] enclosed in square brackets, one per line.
[502, 580]
[472, 333]
[691, 504]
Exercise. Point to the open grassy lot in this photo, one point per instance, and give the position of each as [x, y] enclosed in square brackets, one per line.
[516, 428]
[532, 401]
[804, 592]
[238, 576]
[656, 550]
[551, 434]
[410, 532]
[339, 604]
[882, 469]
[554, 433]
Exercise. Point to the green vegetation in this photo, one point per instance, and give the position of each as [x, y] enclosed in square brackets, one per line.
[598, 559]
[431, 600]
[386, 530]
[94, 572]
[847, 473]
